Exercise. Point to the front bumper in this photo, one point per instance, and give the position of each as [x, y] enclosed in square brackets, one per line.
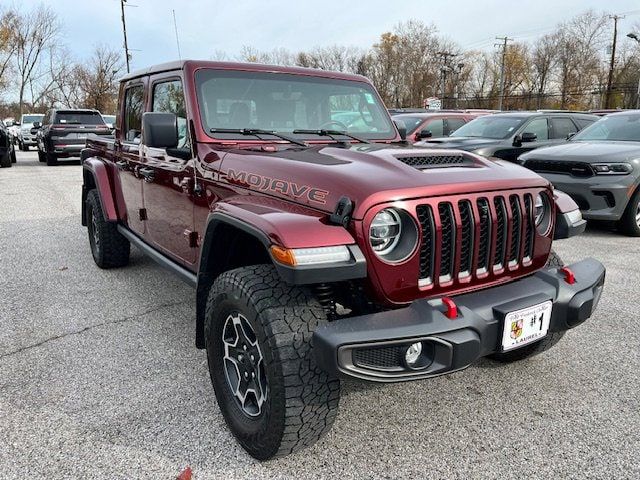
[346, 347]
[601, 197]
[28, 139]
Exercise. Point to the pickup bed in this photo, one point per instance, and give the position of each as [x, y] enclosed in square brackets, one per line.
[321, 244]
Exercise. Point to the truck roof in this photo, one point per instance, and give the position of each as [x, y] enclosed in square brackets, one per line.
[251, 67]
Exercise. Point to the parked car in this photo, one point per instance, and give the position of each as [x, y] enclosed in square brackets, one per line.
[27, 138]
[319, 253]
[599, 168]
[110, 120]
[7, 149]
[508, 135]
[434, 124]
[13, 127]
[64, 132]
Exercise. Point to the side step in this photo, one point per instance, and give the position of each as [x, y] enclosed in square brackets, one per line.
[185, 275]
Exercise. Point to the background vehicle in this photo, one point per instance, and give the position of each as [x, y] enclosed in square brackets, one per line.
[63, 133]
[508, 135]
[7, 149]
[433, 124]
[110, 120]
[599, 168]
[321, 251]
[27, 138]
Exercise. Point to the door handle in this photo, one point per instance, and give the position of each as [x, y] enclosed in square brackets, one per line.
[147, 173]
[122, 165]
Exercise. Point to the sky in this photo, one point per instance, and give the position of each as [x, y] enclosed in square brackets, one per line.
[209, 26]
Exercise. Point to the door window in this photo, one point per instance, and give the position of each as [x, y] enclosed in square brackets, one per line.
[133, 106]
[453, 124]
[168, 97]
[540, 127]
[436, 127]
[562, 127]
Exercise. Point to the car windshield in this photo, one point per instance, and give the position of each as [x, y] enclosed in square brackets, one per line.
[282, 102]
[412, 123]
[32, 118]
[493, 126]
[624, 128]
[109, 118]
[79, 118]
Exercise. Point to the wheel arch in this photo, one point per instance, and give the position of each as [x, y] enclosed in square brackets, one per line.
[96, 176]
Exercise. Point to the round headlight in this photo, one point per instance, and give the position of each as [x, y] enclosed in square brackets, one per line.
[385, 231]
[393, 235]
[542, 213]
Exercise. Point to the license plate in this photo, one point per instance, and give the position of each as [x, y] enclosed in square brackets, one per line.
[522, 327]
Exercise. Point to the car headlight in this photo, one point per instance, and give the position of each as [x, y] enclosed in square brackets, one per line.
[542, 213]
[393, 235]
[612, 168]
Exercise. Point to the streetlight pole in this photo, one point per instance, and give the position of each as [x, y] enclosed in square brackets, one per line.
[635, 37]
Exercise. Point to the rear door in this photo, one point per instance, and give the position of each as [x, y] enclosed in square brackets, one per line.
[128, 149]
[562, 127]
[169, 179]
[452, 124]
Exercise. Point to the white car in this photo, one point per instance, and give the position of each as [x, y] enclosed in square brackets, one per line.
[27, 139]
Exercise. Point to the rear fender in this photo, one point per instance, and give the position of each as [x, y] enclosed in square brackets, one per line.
[95, 175]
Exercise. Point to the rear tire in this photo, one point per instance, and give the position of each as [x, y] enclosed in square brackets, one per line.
[546, 343]
[52, 159]
[110, 249]
[5, 162]
[301, 401]
[630, 221]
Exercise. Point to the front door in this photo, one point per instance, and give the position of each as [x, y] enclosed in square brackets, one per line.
[169, 179]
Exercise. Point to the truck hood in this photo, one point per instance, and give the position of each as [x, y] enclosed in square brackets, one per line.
[368, 174]
[589, 152]
[459, 143]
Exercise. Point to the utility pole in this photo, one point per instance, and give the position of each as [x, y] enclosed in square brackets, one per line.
[175, 27]
[505, 40]
[445, 56]
[124, 31]
[607, 98]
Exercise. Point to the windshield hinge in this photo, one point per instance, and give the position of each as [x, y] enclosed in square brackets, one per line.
[342, 213]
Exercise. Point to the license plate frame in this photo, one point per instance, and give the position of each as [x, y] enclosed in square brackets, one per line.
[526, 325]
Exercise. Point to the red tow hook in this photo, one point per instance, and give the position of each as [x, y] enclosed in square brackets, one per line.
[452, 309]
[569, 277]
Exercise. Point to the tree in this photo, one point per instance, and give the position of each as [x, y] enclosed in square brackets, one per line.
[98, 79]
[33, 33]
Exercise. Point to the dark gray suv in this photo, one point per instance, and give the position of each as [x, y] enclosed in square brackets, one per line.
[599, 168]
[507, 135]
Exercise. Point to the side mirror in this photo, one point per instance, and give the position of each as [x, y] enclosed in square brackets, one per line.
[424, 133]
[528, 137]
[402, 128]
[37, 125]
[160, 130]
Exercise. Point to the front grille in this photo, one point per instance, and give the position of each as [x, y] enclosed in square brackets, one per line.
[493, 232]
[436, 160]
[575, 169]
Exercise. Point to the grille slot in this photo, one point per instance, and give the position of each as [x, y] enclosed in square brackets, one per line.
[448, 234]
[516, 225]
[436, 161]
[379, 358]
[466, 239]
[494, 232]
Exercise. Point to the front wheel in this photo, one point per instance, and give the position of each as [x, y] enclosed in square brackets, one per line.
[52, 159]
[540, 346]
[42, 157]
[13, 156]
[258, 333]
[630, 221]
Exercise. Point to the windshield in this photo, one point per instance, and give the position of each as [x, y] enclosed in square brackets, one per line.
[412, 123]
[624, 128]
[79, 118]
[109, 118]
[493, 126]
[32, 118]
[285, 102]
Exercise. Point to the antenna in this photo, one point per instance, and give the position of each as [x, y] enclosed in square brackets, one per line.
[175, 27]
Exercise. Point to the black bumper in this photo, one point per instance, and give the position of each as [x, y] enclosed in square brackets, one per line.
[346, 347]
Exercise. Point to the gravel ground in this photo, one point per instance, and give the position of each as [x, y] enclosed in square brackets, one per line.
[99, 376]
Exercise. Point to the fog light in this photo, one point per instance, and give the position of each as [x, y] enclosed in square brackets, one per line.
[412, 355]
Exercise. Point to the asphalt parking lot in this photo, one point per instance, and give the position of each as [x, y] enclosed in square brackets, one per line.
[99, 376]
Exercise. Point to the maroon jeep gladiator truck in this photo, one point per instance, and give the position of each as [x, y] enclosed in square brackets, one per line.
[322, 245]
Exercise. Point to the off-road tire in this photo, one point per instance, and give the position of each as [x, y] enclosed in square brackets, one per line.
[52, 159]
[112, 248]
[42, 157]
[302, 400]
[628, 224]
[5, 161]
[546, 343]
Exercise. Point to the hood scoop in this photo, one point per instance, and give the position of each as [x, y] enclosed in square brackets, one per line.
[436, 160]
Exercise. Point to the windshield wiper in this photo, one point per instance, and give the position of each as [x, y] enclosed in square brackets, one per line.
[332, 134]
[256, 132]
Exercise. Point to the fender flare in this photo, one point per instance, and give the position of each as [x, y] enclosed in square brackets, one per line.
[569, 221]
[95, 175]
